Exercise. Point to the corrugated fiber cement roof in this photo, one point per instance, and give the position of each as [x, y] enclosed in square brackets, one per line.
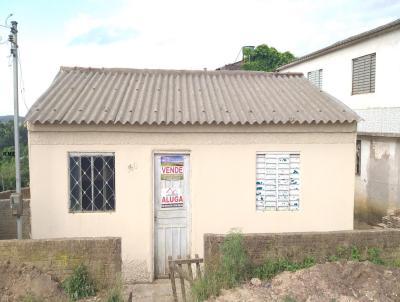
[162, 97]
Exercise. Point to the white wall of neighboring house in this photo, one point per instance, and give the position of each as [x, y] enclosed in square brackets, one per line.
[337, 71]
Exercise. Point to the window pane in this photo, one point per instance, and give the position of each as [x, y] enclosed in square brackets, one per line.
[98, 183]
[364, 74]
[109, 172]
[91, 183]
[86, 175]
[277, 181]
[74, 183]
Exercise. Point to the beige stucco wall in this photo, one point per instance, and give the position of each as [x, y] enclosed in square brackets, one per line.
[222, 182]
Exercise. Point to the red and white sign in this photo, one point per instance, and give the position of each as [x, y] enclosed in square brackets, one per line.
[171, 198]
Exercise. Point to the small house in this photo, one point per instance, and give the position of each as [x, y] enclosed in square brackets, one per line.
[161, 157]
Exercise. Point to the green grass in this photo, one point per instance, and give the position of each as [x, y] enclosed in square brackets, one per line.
[289, 299]
[115, 293]
[234, 266]
[270, 268]
[30, 297]
[79, 285]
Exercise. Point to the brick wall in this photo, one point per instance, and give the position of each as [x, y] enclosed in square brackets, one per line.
[59, 257]
[296, 246]
[26, 193]
[8, 223]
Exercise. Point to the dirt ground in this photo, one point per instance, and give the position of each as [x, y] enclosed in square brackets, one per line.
[19, 282]
[336, 281]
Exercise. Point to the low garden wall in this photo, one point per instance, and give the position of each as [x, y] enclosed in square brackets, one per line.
[8, 223]
[320, 245]
[59, 257]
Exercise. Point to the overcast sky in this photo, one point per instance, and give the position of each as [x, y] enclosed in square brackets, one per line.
[169, 34]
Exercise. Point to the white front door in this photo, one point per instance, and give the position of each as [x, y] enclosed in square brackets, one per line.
[171, 209]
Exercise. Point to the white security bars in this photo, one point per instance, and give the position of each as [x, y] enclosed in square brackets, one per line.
[91, 182]
[277, 181]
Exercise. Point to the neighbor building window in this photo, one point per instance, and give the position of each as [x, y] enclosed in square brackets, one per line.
[277, 181]
[315, 77]
[91, 182]
[364, 74]
[358, 157]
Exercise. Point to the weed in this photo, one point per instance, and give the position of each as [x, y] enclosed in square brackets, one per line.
[30, 297]
[342, 252]
[232, 268]
[289, 299]
[394, 263]
[78, 284]
[208, 286]
[235, 263]
[115, 293]
[333, 258]
[355, 254]
[374, 255]
[270, 268]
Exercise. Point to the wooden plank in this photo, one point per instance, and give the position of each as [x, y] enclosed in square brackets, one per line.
[186, 261]
[172, 278]
[181, 277]
[190, 272]
[198, 271]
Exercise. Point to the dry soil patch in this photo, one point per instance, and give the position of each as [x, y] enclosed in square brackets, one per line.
[336, 281]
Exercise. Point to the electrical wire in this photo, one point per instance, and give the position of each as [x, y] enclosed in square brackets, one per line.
[21, 80]
[238, 55]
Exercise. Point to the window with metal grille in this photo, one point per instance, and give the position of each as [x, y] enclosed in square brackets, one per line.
[364, 74]
[315, 77]
[91, 182]
[277, 181]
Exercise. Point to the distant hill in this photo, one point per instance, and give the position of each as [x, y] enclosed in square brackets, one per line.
[6, 118]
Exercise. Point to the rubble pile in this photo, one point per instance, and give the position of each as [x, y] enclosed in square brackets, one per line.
[392, 220]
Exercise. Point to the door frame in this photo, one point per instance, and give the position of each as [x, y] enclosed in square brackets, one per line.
[156, 152]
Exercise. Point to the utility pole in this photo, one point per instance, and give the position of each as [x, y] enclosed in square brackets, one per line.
[16, 199]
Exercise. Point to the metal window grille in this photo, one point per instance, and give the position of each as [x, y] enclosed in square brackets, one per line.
[315, 77]
[277, 181]
[91, 182]
[363, 78]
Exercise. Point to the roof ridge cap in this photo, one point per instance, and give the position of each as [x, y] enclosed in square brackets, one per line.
[186, 71]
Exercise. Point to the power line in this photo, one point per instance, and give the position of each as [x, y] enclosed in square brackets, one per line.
[22, 83]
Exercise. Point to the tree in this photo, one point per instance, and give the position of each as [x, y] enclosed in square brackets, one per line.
[264, 58]
[7, 161]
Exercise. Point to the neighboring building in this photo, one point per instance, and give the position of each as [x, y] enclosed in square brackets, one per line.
[377, 163]
[233, 66]
[362, 71]
[160, 157]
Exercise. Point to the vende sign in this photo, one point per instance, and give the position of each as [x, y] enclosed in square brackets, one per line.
[172, 167]
[172, 170]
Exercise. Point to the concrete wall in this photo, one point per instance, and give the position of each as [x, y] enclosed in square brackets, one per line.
[222, 182]
[8, 224]
[297, 246]
[26, 193]
[337, 71]
[377, 188]
[58, 257]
